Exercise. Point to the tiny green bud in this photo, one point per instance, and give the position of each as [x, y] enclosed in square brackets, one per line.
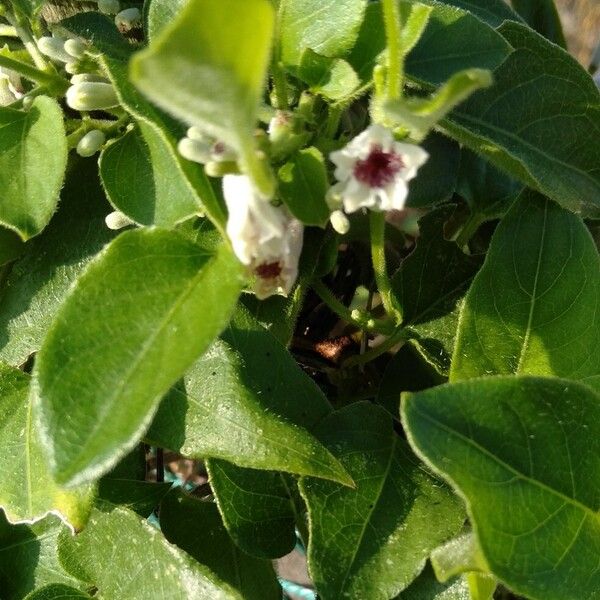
[109, 7]
[339, 221]
[194, 150]
[90, 143]
[76, 48]
[117, 220]
[92, 95]
[83, 77]
[54, 48]
[127, 19]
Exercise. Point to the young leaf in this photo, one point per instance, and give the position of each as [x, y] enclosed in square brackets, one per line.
[371, 542]
[333, 78]
[29, 559]
[303, 185]
[27, 491]
[96, 391]
[523, 452]
[247, 383]
[147, 564]
[256, 507]
[38, 282]
[532, 307]
[196, 527]
[543, 17]
[329, 27]
[33, 158]
[140, 175]
[539, 121]
[57, 591]
[208, 68]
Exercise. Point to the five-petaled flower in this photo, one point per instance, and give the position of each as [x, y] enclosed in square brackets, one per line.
[373, 171]
[265, 238]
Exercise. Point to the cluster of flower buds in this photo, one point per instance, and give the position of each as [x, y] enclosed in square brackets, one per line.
[89, 91]
[264, 237]
[372, 172]
[11, 88]
[68, 51]
[216, 156]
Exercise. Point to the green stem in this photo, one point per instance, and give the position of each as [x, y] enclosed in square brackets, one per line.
[360, 359]
[395, 67]
[384, 285]
[333, 120]
[54, 83]
[23, 32]
[345, 314]
[279, 85]
[468, 230]
[256, 166]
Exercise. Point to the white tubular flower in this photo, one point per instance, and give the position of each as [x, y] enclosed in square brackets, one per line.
[265, 238]
[92, 95]
[130, 18]
[373, 170]
[54, 48]
[90, 143]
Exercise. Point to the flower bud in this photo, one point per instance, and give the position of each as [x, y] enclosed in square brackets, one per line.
[127, 19]
[92, 95]
[90, 143]
[194, 150]
[75, 48]
[117, 220]
[216, 168]
[54, 48]
[109, 7]
[339, 221]
[83, 77]
[197, 134]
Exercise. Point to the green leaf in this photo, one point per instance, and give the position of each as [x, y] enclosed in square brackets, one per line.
[208, 68]
[56, 591]
[460, 555]
[96, 391]
[27, 491]
[543, 17]
[11, 246]
[303, 184]
[539, 122]
[231, 406]
[28, 557]
[160, 132]
[329, 27]
[333, 78]
[523, 452]
[196, 527]
[532, 307]
[420, 115]
[38, 282]
[371, 542]
[427, 587]
[33, 158]
[141, 178]
[137, 562]
[160, 14]
[256, 507]
[492, 12]
[429, 285]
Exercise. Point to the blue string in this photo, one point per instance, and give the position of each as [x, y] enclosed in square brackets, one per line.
[289, 587]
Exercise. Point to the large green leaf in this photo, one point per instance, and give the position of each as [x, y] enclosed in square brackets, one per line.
[33, 158]
[371, 542]
[196, 527]
[141, 178]
[543, 17]
[257, 508]
[539, 122]
[243, 402]
[27, 491]
[96, 389]
[160, 133]
[123, 556]
[38, 282]
[524, 452]
[160, 14]
[208, 68]
[28, 557]
[532, 308]
[328, 27]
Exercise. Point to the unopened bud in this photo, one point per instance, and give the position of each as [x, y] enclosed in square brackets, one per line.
[216, 168]
[127, 19]
[280, 126]
[339, 221]
[91, 95]
[194, 150]
[54, 48]
[90, 143]
[109, 7]
[83, 77]
[197, 134]
[117, 220]
[75, 48]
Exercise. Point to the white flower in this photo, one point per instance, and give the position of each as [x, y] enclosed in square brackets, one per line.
[265, 238]
[91, 95]
[373, 170]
